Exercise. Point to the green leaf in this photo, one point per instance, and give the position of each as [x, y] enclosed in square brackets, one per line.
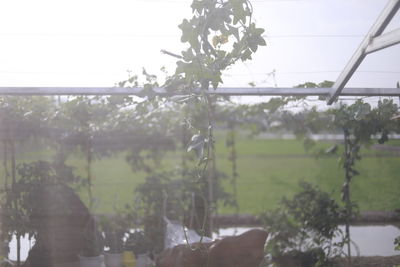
[188, 55]
[326, 83]
[261, 41]
[307, 85]
[216, 21]
[197, 5]
[246, 55]
[239, 13]
[252, 45]
[180, 68]
[216, 80]
[361, 110]
[234, 31]
[186, 29]
[189, 33]
[397, 243]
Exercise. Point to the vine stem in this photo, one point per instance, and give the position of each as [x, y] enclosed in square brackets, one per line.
[5, 165]
[89, 159]
[346, 191]
[89, 171]
[14, 182]
[211, 175]
[202, 228]
[208, 203]
[233, 158]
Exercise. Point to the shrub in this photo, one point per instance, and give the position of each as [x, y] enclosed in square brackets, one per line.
[302, 229]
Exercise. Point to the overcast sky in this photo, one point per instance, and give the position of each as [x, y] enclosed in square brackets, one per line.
[95, 43]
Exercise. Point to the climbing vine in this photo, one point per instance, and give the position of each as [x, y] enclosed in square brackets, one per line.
[231, 118]
[21, 120]
[360, 123]
[220, 33]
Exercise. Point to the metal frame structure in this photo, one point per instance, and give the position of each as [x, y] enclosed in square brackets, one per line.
[374, 41]
[223, 91]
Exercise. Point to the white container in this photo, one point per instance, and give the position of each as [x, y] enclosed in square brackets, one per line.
[97, 261]
[113, 259]
[67, 264]
[143, 260]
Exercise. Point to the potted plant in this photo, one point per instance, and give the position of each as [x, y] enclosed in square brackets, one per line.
[139, 244]
[93, 246]
[114, 232]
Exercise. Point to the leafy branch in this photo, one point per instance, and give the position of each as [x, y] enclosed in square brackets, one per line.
[219, 34]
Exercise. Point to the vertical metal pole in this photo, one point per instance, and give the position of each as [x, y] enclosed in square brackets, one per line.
[5, 160]
[14, 181]
[89, 170]
[211, 179]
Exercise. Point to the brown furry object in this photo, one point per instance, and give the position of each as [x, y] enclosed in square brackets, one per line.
[60, 222]
[245, 250]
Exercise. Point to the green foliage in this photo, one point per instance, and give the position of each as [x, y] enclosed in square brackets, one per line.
[215, 26]
[316, 210]
[22, 121]
[358, 122]
[114, 230]
[397, 243]
[176, 196]
[364, 122]
[24, 118]
[232, 157]
[323, 84]
[23, 199]
[93, 241]
[6, 263]
[304, 226]
[219, 34]
[150, 205]
[138, 243]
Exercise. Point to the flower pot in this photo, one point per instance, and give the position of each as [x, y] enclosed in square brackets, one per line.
[96, 261]
[128, 259]
[113, 259]
[67, 264]
[143, 260]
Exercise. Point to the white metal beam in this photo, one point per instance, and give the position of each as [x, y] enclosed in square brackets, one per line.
[25, 91]
[383, 41]
[379, 26]
[227, 91]
[291, 91]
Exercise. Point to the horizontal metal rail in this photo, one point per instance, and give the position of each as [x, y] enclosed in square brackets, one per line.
[225, 91]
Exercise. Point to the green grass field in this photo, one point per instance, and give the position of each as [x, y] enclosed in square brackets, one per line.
[268, 170]
[272, 169]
